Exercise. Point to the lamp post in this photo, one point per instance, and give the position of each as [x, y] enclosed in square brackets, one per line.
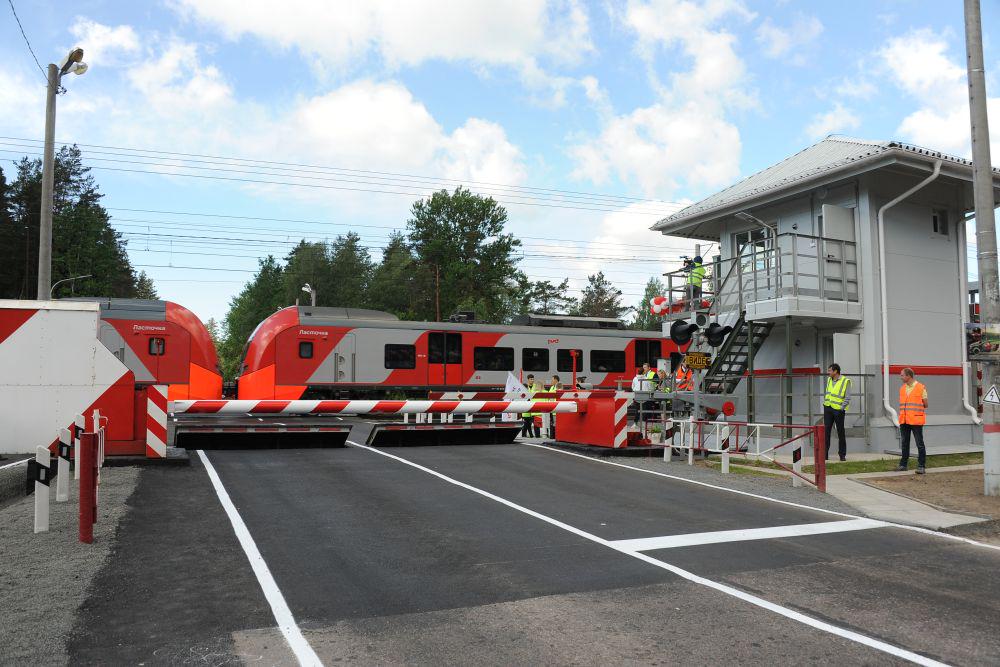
[73, 62]
[312, 293]
[52, 290]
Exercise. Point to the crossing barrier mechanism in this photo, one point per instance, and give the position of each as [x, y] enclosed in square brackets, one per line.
[726, 438]
[384, 407]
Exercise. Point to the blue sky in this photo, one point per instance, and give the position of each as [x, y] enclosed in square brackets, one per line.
[641, 105]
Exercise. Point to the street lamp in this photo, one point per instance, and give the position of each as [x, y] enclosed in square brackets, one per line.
[73, 62]
[312, 293]
[66, 280]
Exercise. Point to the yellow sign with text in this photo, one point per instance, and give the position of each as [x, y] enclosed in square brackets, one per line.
[698, 361]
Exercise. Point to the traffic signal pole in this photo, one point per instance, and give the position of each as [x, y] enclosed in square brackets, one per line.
[986, 238]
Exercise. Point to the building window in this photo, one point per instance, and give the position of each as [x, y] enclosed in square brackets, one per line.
[564, 361]
[400, 356]
[493, 358]
[647, 351]
[939, 222]
[157, 347]
[305, 349]
[607, 361]
[535, 359]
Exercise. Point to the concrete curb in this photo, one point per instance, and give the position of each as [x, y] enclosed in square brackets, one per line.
[946, 510]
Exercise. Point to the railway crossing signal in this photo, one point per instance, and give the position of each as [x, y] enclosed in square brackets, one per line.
[716, 334]
[681, 332]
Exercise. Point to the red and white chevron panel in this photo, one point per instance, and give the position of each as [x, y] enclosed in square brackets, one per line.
[622, 401]
[156, 421]
[366, 407]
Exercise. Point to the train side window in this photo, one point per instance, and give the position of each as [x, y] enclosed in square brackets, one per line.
[493, 358]
[607, 361]
[647, 351]
[305, 349]
[157, 347]
[453, 348]
[400, 356]
[535, 359]
[564, 361]
[435, 348]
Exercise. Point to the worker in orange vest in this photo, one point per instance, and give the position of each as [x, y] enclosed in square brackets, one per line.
[684, 380]
[912, 415]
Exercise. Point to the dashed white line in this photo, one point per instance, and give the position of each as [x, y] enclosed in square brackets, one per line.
[282, 614]
[888, 524]
[865, 640]
[745, 535]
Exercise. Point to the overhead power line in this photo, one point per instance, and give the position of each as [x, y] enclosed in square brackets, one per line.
[312, 168]
[27, 41]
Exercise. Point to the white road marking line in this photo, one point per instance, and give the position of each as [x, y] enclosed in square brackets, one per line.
[15, 463]
[282, 614]
[888, 524]
[871, 642]
[744, 535]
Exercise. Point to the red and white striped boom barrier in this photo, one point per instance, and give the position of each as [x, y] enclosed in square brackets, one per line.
[370, 407]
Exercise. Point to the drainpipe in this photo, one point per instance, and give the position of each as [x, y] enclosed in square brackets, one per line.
[963, 289]
[893, 415]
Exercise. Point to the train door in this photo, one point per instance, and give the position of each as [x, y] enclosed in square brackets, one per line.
[344, 360]
[444, 358]
[172, 350]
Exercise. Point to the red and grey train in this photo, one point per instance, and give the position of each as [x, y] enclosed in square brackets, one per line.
[161, 342]
[315, 352]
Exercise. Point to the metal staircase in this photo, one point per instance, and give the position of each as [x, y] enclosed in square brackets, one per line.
[733, 359]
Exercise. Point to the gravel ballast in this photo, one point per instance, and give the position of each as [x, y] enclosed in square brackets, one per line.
[44, 577]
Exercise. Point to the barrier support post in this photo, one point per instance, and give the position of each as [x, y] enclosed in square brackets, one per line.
[87, 451]
[79, 426]
[725, 461]
[43, 460]
[819, 457]
[62, 476]
[797, 466]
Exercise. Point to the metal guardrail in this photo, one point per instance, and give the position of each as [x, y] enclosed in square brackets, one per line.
[798, 265]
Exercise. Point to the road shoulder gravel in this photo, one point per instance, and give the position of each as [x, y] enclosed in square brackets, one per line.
[44, 577]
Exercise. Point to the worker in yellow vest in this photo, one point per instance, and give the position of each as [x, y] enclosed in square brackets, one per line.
[553, 388]
[696, 277]
[648, 377]
[912, 416]
[528, 428]
[835, 403]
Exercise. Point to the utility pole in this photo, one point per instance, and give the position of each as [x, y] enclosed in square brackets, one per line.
[986, 237]
[73, 62]
[48, 176]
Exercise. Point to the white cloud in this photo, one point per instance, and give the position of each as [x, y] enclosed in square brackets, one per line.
[860, 87]
[684, 137]
[519, 34]
[778, 42]
[102, 44]
[838, 119]
[920, 65]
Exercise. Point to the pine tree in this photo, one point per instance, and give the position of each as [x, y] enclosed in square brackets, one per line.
[393, 283]
[465, 260]
[600, 298]
[644, 319]
[260, 298]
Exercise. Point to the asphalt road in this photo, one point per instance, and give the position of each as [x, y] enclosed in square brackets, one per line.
[512, 554]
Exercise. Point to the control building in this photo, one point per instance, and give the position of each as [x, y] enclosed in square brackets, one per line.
[851, 251]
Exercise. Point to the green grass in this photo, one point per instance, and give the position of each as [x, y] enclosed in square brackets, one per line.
[887, 465]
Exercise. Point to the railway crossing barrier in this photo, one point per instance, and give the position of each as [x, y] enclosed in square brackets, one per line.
[754, 440]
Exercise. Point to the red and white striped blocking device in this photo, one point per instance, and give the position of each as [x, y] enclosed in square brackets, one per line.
[156, 421]
[300, 407]
[622, 401]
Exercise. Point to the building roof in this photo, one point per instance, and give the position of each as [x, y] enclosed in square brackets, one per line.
[831, 155]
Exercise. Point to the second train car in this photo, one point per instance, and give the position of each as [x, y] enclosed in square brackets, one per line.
[316, 352]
